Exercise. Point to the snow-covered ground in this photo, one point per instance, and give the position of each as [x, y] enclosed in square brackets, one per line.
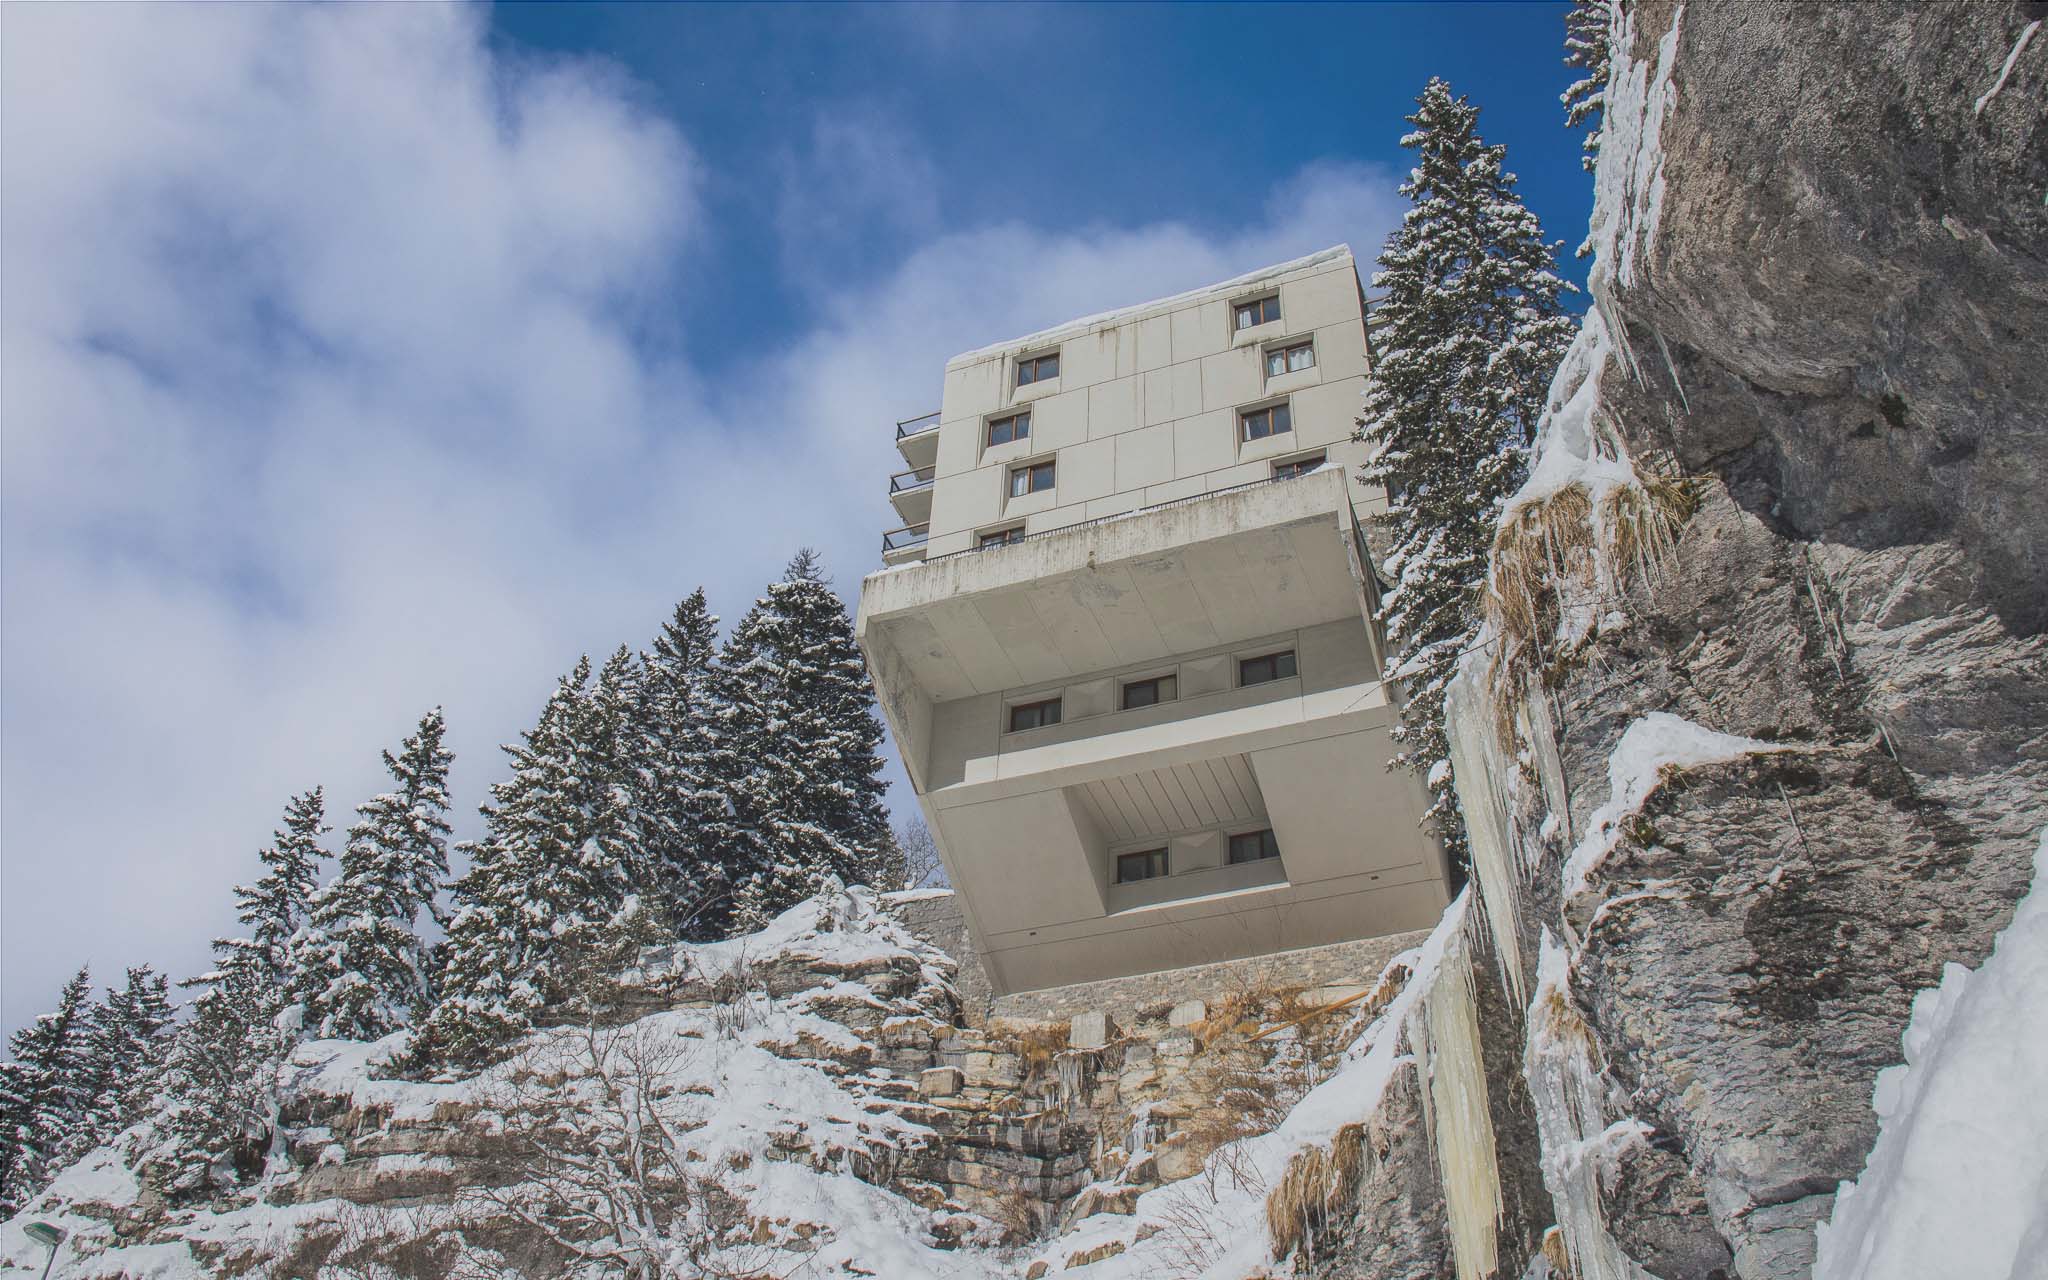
[1957, 1184]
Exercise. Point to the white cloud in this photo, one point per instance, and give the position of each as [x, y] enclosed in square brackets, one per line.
[325, 396]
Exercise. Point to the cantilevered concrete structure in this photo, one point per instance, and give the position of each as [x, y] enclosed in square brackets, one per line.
[1125, 641]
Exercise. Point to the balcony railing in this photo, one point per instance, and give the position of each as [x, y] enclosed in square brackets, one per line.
[905, 538]
[905, 481]
[917, 426]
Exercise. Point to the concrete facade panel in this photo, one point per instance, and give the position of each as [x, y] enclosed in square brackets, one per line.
[1144, 457]
[1231, 378]
[1113, 407]
[1201, 330]
[1154, 343]
[1058, 421]
[1090, 358]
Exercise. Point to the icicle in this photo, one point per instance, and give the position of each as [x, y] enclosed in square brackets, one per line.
[1072, 1069]
[1565, 1083]
[1476, 769]
[1463, 1128]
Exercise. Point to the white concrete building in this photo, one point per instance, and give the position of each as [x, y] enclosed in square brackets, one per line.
[1124, 639]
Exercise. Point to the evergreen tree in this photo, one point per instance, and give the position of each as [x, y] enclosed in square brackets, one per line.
[361, 968]
[125, 1044]
[556, 876]
[276, 907]
[217, 1105]
[1474, 332]
[42, 1094]
[1587, 37]
[797, 750]
[680, 801]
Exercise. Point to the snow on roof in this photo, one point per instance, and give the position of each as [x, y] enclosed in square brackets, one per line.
[1124, 315]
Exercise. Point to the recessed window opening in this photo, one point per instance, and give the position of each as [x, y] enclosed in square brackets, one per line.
[1265, 668]
[1034, 715]
[1292, 359]
[1258, 311]
[1016, 426]
[1273, 420]
[1001, 537]
[1032, 369]
[1253, 846]
[1147, 864]
[1148, 692]
[1035, 478]
[1289, 467]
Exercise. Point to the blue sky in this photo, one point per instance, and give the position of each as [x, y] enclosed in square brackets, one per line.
[1063, 116]
[360, 359]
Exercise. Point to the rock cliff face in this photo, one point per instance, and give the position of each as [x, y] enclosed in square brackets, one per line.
[1789, 493]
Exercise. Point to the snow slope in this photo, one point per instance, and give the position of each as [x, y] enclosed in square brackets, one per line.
[1957, 1184]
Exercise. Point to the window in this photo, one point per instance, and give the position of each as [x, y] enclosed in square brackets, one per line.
[1003, 430]
[1297, 466]
[1034, 715]
[1035, 478]
[1269, 667]
[1258, 311]
[1145, 693]
[1001, 537]
[1302, 355]
[1032, 369]
[1149, 864]
[1272, 420]
[1253, 846]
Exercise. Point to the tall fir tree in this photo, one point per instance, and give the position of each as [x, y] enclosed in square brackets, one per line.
[361, 968]
[557, 875]
[797, 751]
[126, 1041]
[680, 800]
[42, 1094]
[1587, 45]
[1474, 330]
[278, 905]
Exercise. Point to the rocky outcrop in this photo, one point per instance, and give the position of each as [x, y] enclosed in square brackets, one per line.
[1821, 297]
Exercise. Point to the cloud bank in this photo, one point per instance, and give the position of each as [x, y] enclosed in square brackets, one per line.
[339, 379]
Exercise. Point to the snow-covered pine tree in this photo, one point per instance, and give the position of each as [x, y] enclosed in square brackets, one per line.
[1474, 330]
[680, 801]
[1588, 29]
[360, 966]
[555, 878]
[216, 1107]
[42, 1094]
[125, 1044]
[277, 906]
[797, 750]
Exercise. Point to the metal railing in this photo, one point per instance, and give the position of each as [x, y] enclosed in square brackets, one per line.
[918, 426]
[905, 481]
[903, 539]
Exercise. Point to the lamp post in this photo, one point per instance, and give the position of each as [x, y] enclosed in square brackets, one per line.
[49, 1237]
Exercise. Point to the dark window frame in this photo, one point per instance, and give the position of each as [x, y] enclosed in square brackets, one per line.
[1273, 662]
[1163, 688]
[1264, 310]
[1043, 713]
[1032, 370]
[1288, 468]
[1152, 858]
[1029, 473]
[1266, 846]
[1277, 420]
[999, 537]
[1282, 354]
[1013, 421]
